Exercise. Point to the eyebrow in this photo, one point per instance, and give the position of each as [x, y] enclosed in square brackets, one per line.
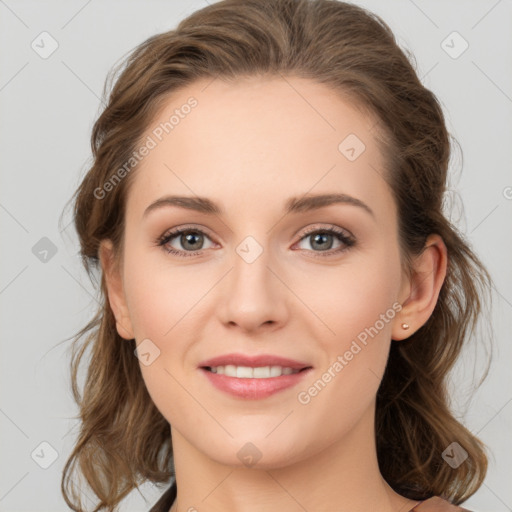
[292, 205]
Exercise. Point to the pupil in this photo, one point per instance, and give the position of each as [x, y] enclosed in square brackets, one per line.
[322, 236]
[189, 238]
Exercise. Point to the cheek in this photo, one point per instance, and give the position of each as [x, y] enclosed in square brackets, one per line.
[356, 296]
[162, 300]
[159, 295]
[357, 306]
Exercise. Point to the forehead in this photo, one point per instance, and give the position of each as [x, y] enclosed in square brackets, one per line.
[263, 137]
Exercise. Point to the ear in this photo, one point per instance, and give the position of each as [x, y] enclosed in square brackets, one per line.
[115, 290]
[420, 292]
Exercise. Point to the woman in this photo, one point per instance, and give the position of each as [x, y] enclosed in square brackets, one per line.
[265, 206]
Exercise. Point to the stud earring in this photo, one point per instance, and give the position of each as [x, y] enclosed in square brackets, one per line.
[405, 326]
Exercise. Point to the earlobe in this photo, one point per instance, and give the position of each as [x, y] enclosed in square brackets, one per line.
[115, 290]
[424, 286]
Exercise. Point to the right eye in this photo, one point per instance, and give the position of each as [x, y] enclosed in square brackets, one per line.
[190, 239]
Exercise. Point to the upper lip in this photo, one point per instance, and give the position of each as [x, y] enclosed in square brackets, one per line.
[254, 361]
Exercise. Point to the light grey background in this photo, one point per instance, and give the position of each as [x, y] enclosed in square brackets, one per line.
[48, 107]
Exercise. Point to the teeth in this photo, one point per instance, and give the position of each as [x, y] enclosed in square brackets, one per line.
[247, 372]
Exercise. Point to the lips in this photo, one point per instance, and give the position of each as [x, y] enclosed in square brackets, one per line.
[245, 386]
[254, 361]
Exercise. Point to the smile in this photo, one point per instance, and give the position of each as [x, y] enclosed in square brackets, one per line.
[248, 372]
[253, 383]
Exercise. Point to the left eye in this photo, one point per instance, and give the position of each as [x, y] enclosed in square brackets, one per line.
[322, 240]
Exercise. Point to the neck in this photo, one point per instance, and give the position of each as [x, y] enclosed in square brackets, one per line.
[344, 477]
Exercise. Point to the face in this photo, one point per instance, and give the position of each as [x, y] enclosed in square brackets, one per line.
[266, 275]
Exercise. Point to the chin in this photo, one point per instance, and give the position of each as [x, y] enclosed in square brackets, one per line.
[256, 452]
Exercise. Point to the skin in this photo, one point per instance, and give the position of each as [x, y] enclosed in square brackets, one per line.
[249, 145]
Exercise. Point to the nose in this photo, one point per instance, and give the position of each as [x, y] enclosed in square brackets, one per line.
[253, 296]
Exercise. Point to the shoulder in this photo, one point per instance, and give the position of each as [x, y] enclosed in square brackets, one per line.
[437, 504]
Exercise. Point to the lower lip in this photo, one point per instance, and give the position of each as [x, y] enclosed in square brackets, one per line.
[254, 389]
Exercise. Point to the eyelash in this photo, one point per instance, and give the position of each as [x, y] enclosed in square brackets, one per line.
[347, 240]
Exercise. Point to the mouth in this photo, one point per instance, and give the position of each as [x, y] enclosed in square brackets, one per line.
[249, 372]
[253, 377]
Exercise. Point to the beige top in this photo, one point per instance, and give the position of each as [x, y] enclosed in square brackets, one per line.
[434, 504]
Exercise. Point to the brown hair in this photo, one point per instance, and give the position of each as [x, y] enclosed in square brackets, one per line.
[124, 440]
